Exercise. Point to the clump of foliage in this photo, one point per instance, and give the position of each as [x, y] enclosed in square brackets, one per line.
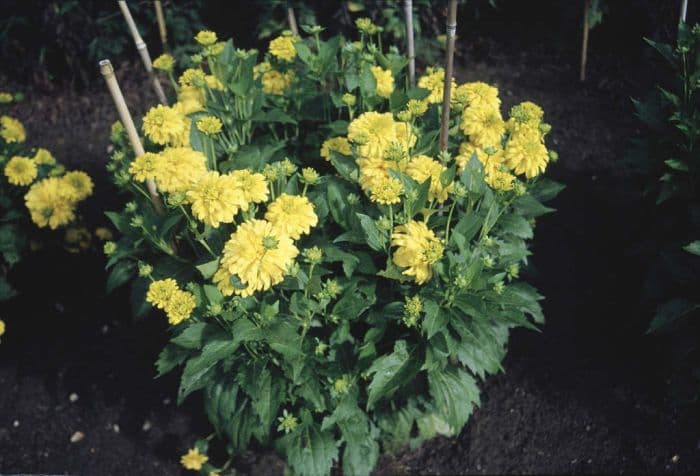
[64, 39]
[336, 284]
[34, 187]
[668, 152]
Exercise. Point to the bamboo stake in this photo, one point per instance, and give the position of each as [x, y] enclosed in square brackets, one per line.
[292, 19]
[447, 89]
[125, 116]
[143, 51]
[684, 11]
[408, 10]
[584, 46]
[161, 24]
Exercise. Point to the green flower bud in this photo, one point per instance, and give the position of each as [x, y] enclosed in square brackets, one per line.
[109, 248]
[145, 269]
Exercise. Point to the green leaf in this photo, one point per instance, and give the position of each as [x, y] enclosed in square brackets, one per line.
[670, 313]
[516, 225]
[122, 272]
[310, 451]
[208, 269]
[435, 318]
[361, 449]
[353, 303]
[170, 357]
[454, 394]
[375, 238]
[197, 368]
[391, 372]
[693, 248]
[195, 335]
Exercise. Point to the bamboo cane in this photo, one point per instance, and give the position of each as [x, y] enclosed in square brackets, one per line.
[161, 24]
[292, 19]
[143, 51]
[684, 11]
[447, 89]
[584, 46]
[408, 10]
[125, 116]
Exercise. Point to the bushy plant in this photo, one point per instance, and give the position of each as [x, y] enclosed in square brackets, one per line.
[668, 153]
[34, 187]
[335, 282]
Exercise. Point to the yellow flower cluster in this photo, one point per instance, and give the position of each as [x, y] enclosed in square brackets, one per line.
[276, 83]
[206, 38]
[434, 81]
[165, 125]
[166, 295]
[209, 125]
[335, 144]
[417, 250]
[384, 80]
[11, 130]
[21, 171]
[193, 459]
[51, 202]
[283, 49]
[164, 62]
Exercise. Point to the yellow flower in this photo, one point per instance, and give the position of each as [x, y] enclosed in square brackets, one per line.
[160, 292]
[20, 171]
[164, 125]
[417, 108]
[145, 167]
[2, 328]
[79, 185]
[164, 62]
[422, 168]
[258, 255]
[50, 203]
[434, 80]
[384, 80]
[5, 98]
[209, 125]
[251, 186]
[484, 126]
[375, 171]
[466, 150]
[215, 199]
[337, 144]
[500, 180]
[478, 94]
[387, 191]
[177, 169]
[374, 132]
[194, 459]
[192, 77]
[291, 215]
[526, 154]
[206, 38]
[44, 157]
[104, 234]
[276, 83]
[418, 249]
[283, 49]
[12, 130]
[180, 306]
[213, 82]
[222, 279]
[190, 99]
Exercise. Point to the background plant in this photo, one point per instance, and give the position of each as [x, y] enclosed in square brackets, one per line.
[668, 153]
[334, 281]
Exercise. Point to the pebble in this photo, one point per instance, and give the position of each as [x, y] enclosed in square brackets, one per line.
[166, 401]
[675, 459]
[15, 423]
[116, 428]
[73, 397]
[105, 329]
[77, 436]
[147, 425]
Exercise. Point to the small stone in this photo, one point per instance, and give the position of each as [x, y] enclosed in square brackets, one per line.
[15, 423]
[588, 427]
[115, 428]
[166, 401]
[77, 436]
[675, 459]
[147, 425]
[105, 329]
[73, 397]
[589, 461]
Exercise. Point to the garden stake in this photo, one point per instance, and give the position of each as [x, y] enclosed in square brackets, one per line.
[447, 90]
[161, 24]
[584, 47]
[128, 123]
[292, 20]
[408, 10]
[143, 51]
[684, 11]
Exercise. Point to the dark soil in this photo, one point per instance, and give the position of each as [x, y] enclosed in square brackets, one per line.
[586, 395]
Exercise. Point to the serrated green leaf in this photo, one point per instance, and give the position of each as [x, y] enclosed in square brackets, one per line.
[455, 394]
